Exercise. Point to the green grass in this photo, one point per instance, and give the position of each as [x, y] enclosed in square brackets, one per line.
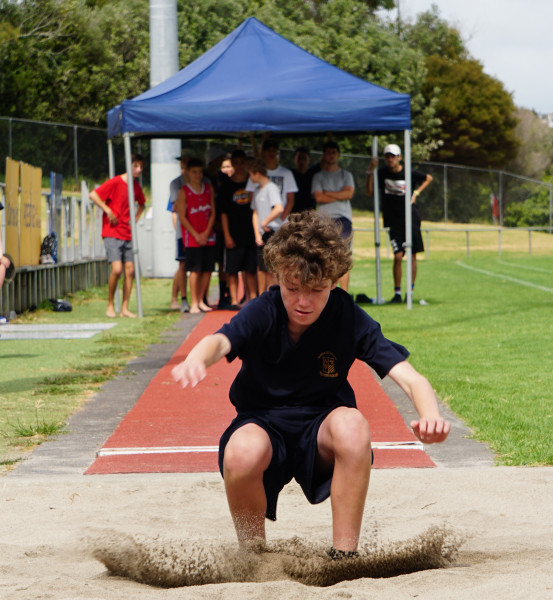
[42, 382]
[484, 342]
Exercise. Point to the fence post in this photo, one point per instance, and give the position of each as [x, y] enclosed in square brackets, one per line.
[499, 242]
[500, 198]
[75, 157]
[550, 208]
[445, 193]
[468, 242]
[428, 243]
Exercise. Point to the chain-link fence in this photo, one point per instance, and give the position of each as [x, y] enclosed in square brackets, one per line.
[458, 194]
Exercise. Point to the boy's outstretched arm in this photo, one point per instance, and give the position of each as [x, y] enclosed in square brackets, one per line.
[431, 427]
[205, 353]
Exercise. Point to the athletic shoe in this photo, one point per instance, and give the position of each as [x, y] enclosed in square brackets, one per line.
[184, 307]
[233, 307]
[3, 321]
[396, 299]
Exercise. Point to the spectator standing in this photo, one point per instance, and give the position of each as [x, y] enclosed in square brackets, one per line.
[236, 219]
[280, 176]
[333, 189]
[196, 210]
[179, 279]
[215, 158]
[303, 175]
[267, 209]
[391, 183]
[113, 198]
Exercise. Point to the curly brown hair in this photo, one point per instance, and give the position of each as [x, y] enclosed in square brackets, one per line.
[309, 245]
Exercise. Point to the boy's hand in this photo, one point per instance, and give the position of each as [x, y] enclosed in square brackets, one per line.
[189, 373]
[113, 220]
[431, 431]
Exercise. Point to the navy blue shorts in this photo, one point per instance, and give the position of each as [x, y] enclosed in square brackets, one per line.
[293, 433]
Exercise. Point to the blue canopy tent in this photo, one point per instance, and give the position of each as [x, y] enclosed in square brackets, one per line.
[254, 80]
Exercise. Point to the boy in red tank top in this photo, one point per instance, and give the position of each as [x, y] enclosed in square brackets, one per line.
[196, 210]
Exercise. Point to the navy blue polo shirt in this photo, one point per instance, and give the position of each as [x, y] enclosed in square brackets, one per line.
[276, 372]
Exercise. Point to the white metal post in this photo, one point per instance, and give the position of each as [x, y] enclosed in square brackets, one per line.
[376, 193]
[408, 220]
[132, 210]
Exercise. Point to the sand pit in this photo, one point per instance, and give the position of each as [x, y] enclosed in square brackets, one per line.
[176, 563]
[51, 525]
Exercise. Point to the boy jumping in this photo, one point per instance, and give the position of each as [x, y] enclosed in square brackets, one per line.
[296, 411]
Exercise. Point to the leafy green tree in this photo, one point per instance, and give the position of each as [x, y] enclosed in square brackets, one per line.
[534, 156]
[533, 212]
[477, 113]
[69, 61]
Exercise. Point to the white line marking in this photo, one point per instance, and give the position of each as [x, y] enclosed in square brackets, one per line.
[506, 278]
[414, 445]
[525, 267]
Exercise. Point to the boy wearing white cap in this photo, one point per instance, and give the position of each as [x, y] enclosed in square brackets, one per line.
[391, 183]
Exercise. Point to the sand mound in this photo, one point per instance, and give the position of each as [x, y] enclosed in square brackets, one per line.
[174, 563]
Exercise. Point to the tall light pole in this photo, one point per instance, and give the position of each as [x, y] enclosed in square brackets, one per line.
[164, 62]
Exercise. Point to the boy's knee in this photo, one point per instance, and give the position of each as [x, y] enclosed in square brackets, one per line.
[351, 432]
[247, 452]
[116, 268]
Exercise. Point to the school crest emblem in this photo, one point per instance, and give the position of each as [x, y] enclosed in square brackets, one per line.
[328, 364]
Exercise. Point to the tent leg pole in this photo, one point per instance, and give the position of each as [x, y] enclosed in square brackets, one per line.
[376, 193]
[132, 210]
[408, 221]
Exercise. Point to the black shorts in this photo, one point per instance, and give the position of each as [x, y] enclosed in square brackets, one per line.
[240, 259]
[293, 433]
[200, 260]
[261, 266]
[397, 235]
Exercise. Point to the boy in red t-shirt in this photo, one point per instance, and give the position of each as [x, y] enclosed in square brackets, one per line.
[195, 207]
[113, 198]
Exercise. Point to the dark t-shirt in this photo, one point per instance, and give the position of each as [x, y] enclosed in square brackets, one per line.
[304, 199]
[392, 194]
[234, 201]
[275, 372]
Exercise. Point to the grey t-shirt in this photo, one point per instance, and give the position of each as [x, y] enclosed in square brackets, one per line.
[333, 181]
[264, 200]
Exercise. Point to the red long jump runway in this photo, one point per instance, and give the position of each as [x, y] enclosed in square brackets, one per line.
[171, 430]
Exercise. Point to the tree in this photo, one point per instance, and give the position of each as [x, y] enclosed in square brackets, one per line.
[477, 113]
[534, 157]
[69, 61]
[343, 32]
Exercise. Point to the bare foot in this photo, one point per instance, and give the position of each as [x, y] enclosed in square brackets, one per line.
[175, 305]
[204, 307]
[195, 310]
[110, 312]
[127, 313]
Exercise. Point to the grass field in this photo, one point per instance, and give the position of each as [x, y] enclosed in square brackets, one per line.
[484, 342]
